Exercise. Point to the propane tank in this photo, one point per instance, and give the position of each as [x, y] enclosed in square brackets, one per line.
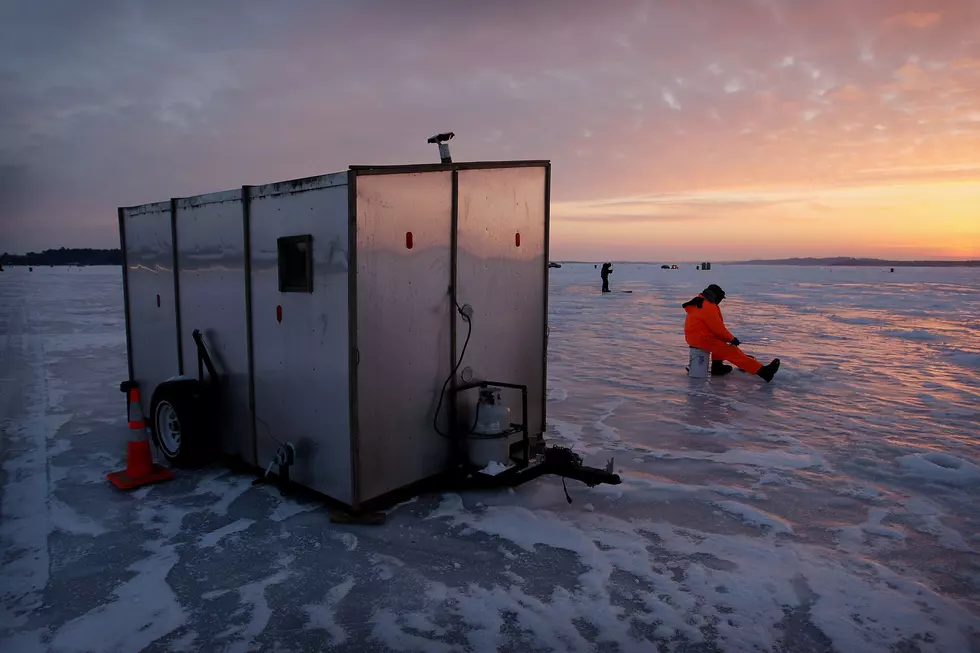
[493, 417]
[488, 442]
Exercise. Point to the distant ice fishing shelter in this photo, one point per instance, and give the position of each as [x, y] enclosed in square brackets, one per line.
[332, 315]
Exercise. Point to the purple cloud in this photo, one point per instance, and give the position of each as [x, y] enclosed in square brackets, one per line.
[116, 102]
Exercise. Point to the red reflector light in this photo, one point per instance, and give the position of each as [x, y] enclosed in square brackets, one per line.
[158, 301]
[409, 241]
[517, 239]
[279, 314]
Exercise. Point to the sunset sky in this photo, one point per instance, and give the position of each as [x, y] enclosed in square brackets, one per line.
[677, 129]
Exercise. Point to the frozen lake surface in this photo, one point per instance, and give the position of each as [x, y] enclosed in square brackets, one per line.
[833, 510]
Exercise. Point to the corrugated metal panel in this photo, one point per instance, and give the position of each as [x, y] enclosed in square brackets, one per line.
[153, 326]
[403, 326]
[211, 266]
[505, 282]
[301, 365]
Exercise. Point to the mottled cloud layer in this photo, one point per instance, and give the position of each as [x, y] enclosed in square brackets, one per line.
[677, 128]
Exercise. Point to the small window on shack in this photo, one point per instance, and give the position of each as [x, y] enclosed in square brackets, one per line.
[295, 263]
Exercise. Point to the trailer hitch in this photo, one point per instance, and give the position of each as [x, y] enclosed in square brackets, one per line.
[556, 460]
[564, 462]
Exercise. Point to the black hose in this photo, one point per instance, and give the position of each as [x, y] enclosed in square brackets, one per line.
[442, 395]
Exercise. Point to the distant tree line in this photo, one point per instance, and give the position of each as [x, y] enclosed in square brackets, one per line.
[65, 256]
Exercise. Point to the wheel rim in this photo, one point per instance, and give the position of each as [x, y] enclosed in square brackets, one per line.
[168, 428]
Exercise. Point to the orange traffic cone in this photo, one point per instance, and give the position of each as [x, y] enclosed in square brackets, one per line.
[140, 468]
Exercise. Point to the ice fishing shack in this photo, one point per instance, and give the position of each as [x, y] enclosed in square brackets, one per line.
[360, 332]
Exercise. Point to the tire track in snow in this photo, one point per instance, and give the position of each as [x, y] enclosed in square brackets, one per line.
[24, 516]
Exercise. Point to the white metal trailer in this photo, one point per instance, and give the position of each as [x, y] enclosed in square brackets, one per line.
[341, 312]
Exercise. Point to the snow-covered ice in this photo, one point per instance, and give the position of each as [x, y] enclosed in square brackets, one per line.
[832, 510]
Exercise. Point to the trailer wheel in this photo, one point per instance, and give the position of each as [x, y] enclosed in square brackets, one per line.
[178, 421]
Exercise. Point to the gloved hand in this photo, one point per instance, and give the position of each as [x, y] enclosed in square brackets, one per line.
[735, 342]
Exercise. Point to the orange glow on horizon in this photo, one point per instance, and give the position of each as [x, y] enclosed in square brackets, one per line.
[925, 220]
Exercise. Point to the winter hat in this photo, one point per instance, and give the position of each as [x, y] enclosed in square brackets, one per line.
[714, 293]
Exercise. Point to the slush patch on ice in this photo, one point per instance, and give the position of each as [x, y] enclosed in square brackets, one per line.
[605, 431]
[29, 642]
[214, 594]
[769, 459]
[865, 492]
[421, 623]
[211, 539]
[67, 520]
[737, 492]
[966, 359]
[226, 487]
[755, 517]
[875, 527]
[186, 643]
[450, 506]
[853, 538]
[570, 436]
[395, 508]
[58, 447]
[253, 595]
[385, 566]
[694, 428]
[322, 616]
[288, 509]
[941, 468]
[912, 334]
[349, 540]
[772, 459]
[856, 320]
[58, 474]
[638, 481]
[557, 395]
[386, 629]
[145, 604]
[163, 518]
[928, 519]
[523, 527]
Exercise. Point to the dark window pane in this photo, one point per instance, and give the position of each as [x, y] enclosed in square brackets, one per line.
[295, 263]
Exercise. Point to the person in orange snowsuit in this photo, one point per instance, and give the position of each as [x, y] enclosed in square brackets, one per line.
[704, 328]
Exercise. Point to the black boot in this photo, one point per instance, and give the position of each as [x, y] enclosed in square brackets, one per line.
[769, 371]
[718, 368]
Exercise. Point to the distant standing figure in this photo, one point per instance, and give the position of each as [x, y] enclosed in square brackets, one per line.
[606, 271]
[704, 328]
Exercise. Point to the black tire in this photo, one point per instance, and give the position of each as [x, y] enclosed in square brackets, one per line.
[184, 406]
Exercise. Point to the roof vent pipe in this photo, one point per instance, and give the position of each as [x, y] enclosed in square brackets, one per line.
[443, 141]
